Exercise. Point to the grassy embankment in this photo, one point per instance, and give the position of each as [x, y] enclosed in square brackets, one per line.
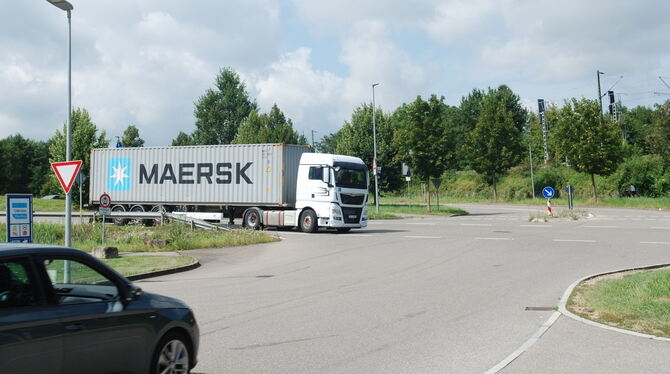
[170, 237]
[137, 238]
[639, 301]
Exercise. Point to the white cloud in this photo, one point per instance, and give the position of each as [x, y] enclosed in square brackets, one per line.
[320, 100]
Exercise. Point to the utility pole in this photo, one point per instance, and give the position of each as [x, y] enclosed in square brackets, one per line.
[313, 131]
[600, 96]
[532, 177]
[545, 128]
[374, 142]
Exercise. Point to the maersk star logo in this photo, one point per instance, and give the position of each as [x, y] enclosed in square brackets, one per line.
[119, 174]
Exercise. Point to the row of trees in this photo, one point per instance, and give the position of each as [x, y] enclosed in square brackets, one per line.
[489, 132]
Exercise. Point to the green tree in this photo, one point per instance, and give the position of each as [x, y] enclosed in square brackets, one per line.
[84, 138]
[131, 137]
[635, 125]
[423, 139]
[659, 133]
[495, 143]
[328, 143]
[220, 111]
[268, 128]
[182, 139]
[590, 144]
[24, 165]
[355, 139]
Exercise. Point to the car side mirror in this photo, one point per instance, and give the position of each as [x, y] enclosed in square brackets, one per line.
[134, 293]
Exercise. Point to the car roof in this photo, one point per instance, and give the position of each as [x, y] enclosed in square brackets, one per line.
[7, 249]
[18, 249]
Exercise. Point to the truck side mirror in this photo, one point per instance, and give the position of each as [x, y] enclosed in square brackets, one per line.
[325, 175]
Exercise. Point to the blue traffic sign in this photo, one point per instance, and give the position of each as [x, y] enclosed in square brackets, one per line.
[548, 192]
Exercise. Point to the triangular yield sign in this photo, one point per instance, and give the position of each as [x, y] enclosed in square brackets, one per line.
[66, 172]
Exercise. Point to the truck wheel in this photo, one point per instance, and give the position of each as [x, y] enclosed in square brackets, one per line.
[119, 221]
[252, 219]
[137, 209]
[157, 221]
[343, 229]
[308, 221]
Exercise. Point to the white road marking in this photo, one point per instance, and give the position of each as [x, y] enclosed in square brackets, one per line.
[478, 238]
[538, 225]
[574, 240]
[476, 224]
[661, 228]
[601, 227]
[422, 237]
[532, 340]
[654, 242]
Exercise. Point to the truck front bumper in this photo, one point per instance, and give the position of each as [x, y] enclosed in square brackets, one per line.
[353, 217]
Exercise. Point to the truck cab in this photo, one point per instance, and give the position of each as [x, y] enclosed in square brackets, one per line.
[331, 192]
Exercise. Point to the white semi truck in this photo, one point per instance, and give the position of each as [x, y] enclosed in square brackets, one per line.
[276, 185]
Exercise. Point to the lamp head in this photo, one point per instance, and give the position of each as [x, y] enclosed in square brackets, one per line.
[61, 4]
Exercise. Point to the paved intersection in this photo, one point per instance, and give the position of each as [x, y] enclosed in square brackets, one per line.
[420, 295]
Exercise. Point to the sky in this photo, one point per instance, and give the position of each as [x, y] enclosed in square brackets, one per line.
[146, 62]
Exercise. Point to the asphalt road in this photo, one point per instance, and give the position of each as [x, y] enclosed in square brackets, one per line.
[421, 295]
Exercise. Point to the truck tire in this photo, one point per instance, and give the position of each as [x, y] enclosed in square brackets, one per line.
[119, 221]
[155, 222]
[308, 221]
[137, 209]
[252, 219]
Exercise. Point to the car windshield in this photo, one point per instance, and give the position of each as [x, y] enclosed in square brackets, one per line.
[350, 177]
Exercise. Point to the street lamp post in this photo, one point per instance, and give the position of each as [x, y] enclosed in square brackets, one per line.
[66, 6]
[374, 144]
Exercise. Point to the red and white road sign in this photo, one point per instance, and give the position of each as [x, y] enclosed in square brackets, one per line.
[105, 201]
[66, 172]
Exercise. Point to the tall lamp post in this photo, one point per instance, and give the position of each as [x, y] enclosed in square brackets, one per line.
[374, 144]
[66, 6]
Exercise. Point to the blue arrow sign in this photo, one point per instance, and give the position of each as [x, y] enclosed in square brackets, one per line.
[548, 192]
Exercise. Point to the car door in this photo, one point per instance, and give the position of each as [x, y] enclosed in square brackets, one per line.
[30, 334]
[102, 336]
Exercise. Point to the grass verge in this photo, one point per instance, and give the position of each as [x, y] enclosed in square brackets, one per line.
[614, 202]
[134, 265]
[169, 237]
[414, 209]
[637, 301]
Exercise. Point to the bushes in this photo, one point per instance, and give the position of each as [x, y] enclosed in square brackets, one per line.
[647, 173]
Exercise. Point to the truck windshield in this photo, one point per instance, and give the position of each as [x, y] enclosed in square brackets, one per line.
[350, 177]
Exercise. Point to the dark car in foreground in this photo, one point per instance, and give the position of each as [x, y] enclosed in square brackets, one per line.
[64, 311]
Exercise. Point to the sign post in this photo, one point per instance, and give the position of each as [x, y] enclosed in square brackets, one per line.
[437, 182]
[570, 190]
[105, 203]
[548, 193]
[66, 173]
[19, 218]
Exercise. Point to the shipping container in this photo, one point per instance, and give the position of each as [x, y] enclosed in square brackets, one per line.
[240, 175]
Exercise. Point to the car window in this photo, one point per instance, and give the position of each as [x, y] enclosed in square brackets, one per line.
[17, 285]
[80, 283]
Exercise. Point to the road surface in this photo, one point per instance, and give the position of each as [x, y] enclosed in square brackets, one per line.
[421, 295]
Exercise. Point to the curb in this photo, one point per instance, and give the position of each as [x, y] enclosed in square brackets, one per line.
[562, 306]
[158, 273]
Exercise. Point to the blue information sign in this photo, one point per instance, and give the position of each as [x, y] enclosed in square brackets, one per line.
[19, 218]
[548, 192]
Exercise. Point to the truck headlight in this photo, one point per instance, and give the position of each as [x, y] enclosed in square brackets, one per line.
[336, 212]
[364, 214]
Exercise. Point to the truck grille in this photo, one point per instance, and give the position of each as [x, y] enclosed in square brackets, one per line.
[352, 215]
[352, 199]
